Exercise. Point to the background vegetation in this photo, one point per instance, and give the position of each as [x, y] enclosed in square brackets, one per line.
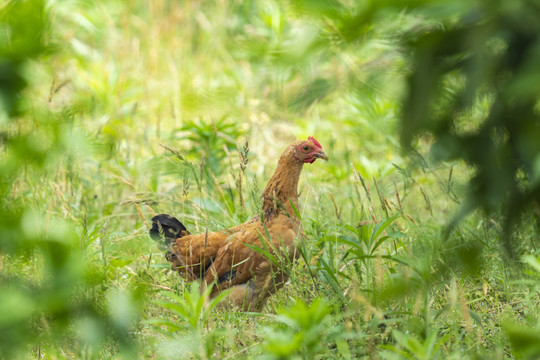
[113, 111]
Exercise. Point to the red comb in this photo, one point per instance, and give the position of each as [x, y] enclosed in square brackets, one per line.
[314, 141]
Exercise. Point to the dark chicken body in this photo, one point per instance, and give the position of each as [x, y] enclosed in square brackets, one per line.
[224, 259]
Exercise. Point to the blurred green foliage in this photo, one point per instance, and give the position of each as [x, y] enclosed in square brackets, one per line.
[51, 300]
[525, 338]
[409, 347]
[300, 333]
[23, 31]
[188, 335]
[474, 85]
[209, 138]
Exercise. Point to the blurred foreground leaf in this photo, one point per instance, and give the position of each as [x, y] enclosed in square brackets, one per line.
[475, 87]
[23, 27]
[525, 340]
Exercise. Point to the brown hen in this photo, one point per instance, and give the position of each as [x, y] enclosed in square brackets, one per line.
[232, 258]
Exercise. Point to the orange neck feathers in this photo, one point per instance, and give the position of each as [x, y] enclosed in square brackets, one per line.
[283, 186]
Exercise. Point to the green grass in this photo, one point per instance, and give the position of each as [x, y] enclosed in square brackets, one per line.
[379, 276]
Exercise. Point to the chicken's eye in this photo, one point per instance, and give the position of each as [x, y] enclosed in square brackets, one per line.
[306, 148]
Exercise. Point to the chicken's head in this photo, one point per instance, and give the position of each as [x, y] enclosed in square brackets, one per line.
[309, 150]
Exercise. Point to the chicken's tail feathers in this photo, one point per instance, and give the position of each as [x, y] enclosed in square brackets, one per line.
[165, 229]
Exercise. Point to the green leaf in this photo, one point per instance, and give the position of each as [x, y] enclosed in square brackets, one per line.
[525, 340]
[295, 210]
[332, 280]
[533, 261]
[380, 227]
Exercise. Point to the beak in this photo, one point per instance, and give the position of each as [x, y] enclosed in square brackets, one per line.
[321, 155]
